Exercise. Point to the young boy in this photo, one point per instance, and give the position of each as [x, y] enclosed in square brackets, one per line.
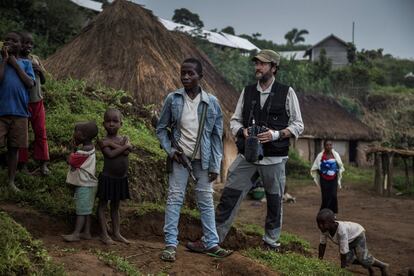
[82, 175]
[350, 237]
[37, 110]
[16, 77]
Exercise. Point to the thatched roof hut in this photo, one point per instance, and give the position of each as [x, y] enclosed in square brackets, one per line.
[325, 118]
[126, 47]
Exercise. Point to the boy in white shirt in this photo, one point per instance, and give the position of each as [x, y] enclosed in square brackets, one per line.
[350, 237]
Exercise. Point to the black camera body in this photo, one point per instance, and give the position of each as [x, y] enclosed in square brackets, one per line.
[253, 149]
[254, 130]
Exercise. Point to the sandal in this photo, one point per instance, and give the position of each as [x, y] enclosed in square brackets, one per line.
[168, 254]
[218, 252]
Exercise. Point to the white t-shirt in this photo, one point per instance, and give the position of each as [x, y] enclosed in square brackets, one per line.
[83, 165]
[346, 233]
[189, 125]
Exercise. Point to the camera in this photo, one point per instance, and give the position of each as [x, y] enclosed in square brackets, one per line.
[253, 148]
[254, 130]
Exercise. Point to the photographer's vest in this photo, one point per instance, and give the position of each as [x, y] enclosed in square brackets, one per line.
[273, 115]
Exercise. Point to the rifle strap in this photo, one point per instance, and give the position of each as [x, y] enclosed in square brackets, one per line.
[200, 129]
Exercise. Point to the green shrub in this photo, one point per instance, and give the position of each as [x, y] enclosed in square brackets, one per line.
[296, 167]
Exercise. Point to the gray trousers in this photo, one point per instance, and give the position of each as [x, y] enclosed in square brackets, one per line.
[237, 186]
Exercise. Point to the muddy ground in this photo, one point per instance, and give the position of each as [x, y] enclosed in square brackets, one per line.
[389, 223]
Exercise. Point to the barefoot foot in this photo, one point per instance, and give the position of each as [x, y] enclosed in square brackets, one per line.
[120, 238]
[71, 238]
[106, 240]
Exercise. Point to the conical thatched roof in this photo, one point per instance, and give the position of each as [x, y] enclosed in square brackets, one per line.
[125, 47]
[325, 118]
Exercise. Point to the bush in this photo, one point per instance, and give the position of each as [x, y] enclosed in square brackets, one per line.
[296, 167]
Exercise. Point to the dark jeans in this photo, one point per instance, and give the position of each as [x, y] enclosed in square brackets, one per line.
[329, 190]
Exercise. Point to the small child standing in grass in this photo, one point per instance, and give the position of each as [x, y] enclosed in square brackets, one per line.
[113, 181]
[350, 237]
[82, 175]
[16, 77]
[37, 110]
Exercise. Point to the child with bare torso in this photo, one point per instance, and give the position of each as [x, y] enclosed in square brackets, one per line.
[113, 181]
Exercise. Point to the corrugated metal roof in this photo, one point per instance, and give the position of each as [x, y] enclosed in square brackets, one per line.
[295, 55]
[222, 39]
[241, 43]
[88, 4]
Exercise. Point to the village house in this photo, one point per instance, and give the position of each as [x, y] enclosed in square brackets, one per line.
[336, 51]
[325, 119]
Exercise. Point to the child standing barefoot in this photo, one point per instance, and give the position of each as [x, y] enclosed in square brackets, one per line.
[82, 175]
[113, 181]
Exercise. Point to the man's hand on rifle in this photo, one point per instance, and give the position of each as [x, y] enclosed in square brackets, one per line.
[212, 176]
[177, 157]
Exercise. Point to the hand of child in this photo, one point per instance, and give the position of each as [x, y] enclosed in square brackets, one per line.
[36, 68]
[4, 53]
[212, 176]
[12, 61]
[128, 143]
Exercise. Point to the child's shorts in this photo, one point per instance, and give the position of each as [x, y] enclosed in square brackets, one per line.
[84, 200]
[13, 132]
[358, 251]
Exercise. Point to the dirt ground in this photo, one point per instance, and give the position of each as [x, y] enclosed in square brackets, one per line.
[389, 222]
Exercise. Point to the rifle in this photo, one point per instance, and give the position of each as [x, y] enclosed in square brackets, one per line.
[185, 161]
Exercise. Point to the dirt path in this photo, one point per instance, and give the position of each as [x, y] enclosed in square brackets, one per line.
[389, 222]
[143, 253]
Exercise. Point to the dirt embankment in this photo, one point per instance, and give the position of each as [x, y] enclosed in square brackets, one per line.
[145, 233]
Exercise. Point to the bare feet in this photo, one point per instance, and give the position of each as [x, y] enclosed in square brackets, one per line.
[71, 238]
[85, 236]
[106, 240]
[44, 169]
[13, 187]
[120, 238]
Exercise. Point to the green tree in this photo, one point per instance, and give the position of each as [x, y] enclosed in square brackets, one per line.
[186, 17]
[351, 52]
[228, 30]
[295, 36]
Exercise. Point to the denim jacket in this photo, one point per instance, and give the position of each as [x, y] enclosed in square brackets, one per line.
[211, 145]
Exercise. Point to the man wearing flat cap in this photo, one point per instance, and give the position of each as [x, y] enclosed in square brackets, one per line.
[275, 108]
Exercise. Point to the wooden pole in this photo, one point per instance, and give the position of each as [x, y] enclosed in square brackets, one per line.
[378, 172]
[384, 159]
[407, 173]
[390, 172]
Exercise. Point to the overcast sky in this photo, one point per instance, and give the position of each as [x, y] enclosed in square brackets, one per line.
[387, 24]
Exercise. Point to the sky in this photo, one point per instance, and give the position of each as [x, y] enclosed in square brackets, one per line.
[387, 24]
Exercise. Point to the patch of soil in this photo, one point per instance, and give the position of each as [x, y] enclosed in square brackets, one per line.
[389, 223]
[145, 233]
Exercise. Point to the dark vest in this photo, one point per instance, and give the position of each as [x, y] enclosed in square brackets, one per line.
[273, 115]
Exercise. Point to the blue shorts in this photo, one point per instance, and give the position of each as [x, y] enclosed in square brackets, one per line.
[84, 200]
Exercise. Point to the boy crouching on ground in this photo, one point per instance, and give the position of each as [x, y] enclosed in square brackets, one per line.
[350, 237]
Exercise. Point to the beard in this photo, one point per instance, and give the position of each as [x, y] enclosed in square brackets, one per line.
[263, 77]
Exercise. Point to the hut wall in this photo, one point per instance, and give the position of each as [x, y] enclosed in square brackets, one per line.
[361, 159]
[342, 147]
[305, 148]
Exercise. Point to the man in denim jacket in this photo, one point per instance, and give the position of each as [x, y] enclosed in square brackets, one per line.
[182, 112]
